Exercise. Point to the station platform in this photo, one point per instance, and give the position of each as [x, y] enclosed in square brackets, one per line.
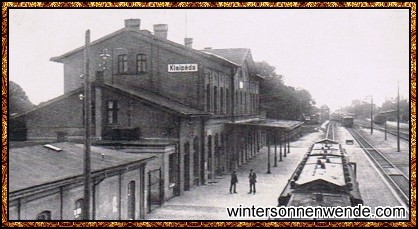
[209, 202]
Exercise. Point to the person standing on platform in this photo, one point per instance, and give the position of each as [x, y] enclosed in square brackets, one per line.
[234, 181]
[253, 179]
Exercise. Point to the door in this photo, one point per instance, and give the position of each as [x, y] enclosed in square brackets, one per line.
[186, 166]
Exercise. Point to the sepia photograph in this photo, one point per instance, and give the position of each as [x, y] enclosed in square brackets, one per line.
[209, 114]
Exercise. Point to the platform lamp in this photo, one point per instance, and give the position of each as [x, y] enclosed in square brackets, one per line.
[268, 151]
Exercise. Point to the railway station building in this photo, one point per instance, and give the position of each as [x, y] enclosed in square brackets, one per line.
[50, 183]
[196, 112]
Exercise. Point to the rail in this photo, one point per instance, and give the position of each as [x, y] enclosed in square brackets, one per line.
[330, 130]
[398, 180]
[402, 135]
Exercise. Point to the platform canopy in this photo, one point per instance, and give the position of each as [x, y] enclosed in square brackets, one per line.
[270, 124]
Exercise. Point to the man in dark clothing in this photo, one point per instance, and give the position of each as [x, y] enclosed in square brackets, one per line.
[234, 181]
[253, 178]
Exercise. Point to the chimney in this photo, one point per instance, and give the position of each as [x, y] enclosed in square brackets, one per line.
[188, 42]
[160, 30]
[132, 23]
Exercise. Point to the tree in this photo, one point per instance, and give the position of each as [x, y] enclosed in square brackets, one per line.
[18, 100]
[268, 71]
[281, 101]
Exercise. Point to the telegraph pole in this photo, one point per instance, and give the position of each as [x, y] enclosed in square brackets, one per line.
[87, 145]
[371, 117]
[398, 120]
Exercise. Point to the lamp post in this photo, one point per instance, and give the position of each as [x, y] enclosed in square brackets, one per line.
[398, 120]
[371, 116]
[386, 126]
[275, 149]
[87, 142]
[268, 152]
[280, 144]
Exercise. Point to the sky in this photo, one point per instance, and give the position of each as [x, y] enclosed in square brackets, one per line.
[338, 55]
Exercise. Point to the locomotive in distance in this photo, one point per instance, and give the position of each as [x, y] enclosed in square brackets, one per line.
[325, 177]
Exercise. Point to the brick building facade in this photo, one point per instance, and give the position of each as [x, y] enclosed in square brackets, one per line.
[147, 88]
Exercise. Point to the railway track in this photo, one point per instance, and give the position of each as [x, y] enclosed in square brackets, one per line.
[402, 135]
[398, 180]
[330, 134]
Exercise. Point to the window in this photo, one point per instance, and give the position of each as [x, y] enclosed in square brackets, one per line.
[252, 104]
[172, 176]
[93, 112]
[45, 215]
[208, 97]
[228, 103]
[112, 112]
[196, 156]
[209, 153]
[78, 211]
[256, 103]
[241, 102]
[215, 100]
[122, 63]
[236, 102]
[245, 103]
[131, 200]
[141, 63]
[222, 101]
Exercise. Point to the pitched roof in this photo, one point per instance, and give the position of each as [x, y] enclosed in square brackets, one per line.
[236, 55]
[158, 100]
[144, 34]
[151, 98]
[49, 102]
[37, 165]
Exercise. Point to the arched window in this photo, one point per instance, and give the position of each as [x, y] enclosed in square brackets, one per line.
[215, 100]
[45, 215]
[241, 102]
[186, 147]
[245, 103]
[196, 156]
[208, 98]
[236, 107]
[228, 103]
[131, 200]
[209, 152]
[78, 210]
[222, 100]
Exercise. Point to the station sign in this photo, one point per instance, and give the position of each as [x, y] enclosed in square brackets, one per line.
[182, 68]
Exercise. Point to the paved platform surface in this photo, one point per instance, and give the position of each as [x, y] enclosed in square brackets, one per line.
[389, 147]
[209, 202]
[374, 189]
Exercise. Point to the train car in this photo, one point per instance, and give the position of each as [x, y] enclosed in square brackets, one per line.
[325, 177]
[379, 119]
[336, 117]
[348, 121]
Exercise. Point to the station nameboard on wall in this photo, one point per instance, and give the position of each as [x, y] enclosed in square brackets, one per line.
[182, 68]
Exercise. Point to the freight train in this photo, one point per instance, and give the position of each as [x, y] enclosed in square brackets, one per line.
[325, 177]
